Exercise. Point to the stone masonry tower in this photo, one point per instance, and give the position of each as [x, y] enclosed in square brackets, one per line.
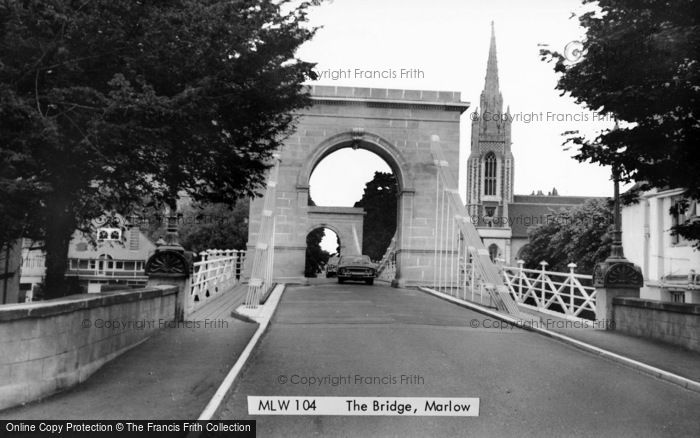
[490, 165]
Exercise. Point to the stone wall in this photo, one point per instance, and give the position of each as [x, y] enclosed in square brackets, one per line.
[48, 346]
[674, 323]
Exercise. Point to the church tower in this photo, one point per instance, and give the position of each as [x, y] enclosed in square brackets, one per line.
[490, 164]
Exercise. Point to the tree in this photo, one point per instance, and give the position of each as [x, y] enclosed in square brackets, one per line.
[640, 65]
[379, 202]
[108, 102]
[316, 257]
[581, 234]
[203, 227]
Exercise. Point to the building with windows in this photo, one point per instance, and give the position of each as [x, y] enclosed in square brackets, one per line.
[670, 264]
[502, 218]
[116, 258]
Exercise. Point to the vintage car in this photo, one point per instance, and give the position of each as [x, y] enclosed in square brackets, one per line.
[332, 267]
[356, 267]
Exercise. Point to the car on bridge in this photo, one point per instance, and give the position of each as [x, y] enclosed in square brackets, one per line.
[356, 267]
[332, 267]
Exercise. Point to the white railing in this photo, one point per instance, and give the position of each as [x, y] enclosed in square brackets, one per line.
[564, 294]
[386, 269]
[461, 264]
[217, 272]
[263, 262]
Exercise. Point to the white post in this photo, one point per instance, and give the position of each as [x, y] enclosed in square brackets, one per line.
[543, 275]
[571, 267]
[521, 262]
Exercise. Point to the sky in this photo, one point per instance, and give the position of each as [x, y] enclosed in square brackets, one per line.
[448, 40]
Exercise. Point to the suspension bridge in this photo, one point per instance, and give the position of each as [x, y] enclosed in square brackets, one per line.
[444, 321]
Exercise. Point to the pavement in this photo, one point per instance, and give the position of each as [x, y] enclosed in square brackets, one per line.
[677, 360]
[172, 375]
[528, 384]
[650, 353]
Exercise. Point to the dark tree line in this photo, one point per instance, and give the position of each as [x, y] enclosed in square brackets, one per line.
[106, 103]
[639, 63]
[379, 201]
[579, 234]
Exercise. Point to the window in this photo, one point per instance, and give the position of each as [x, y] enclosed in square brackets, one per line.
[683, 212]
[489, 213]
[677, 296]
[490, 174]
[109, 234]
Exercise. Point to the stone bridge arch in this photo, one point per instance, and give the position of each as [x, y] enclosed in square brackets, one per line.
[345, 222]
[397, 125]
[358, 138]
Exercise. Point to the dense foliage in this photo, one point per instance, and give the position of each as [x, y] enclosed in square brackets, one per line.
[581, 234]
[379, 201]
[316, 257]
[639, 64]
[104, 103]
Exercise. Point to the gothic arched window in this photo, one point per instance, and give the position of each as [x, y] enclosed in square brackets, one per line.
[490, 174]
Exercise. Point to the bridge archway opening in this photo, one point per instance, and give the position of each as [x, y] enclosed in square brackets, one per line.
[357, 176]
[322, 243]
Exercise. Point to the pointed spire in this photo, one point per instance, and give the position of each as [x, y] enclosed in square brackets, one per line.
[491, 85]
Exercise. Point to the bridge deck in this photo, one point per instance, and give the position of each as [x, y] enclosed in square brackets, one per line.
[528, 384]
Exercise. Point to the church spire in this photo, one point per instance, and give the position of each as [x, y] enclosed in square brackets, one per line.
[491, 85]
[491, 100]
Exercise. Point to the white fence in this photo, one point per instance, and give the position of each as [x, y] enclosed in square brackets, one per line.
[217, 272]
[386, 270]
[564, 294]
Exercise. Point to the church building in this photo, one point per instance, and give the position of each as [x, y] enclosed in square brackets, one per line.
[501, 217]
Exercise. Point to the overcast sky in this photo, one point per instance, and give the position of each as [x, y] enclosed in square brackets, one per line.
[448, 40]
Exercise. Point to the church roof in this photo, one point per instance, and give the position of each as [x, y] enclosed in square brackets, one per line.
[527, 210]
[540, 199]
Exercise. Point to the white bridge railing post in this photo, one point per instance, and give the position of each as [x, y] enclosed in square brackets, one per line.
[217, 272]
[564, 294]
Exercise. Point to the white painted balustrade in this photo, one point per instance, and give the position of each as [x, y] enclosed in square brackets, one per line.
[564, 294]
[386, 270]
[217, 271]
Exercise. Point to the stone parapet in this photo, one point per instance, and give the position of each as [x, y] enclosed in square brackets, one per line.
[49, 346]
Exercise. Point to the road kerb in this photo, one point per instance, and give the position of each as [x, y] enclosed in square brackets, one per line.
[684, 382]
[264, 320]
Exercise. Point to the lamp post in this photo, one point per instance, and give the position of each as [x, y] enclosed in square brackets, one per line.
[616, 251]
[616, 276]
